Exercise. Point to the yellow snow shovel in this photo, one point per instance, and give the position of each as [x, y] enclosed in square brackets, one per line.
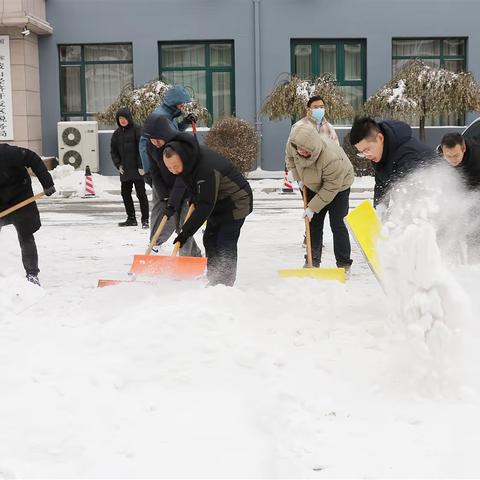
[365, 227]
[337, 274]
[169, 266]
[21, 204]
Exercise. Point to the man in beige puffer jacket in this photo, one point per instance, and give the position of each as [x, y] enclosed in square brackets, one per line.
[323, 167]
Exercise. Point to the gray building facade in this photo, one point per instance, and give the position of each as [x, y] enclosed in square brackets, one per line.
[264, 35]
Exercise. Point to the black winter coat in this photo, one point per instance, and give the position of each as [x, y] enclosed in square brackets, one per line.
[168, 186]
[469, 168]
[402, 154]
[124, 147]
[220, 192]
[16, 186]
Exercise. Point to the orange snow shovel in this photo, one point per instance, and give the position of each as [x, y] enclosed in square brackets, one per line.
[19, 205]
[320, 273]
[169, 266]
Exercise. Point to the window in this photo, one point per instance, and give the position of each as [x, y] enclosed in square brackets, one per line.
[92, 77]
[206, 68]
[448, 53]
[344, 59]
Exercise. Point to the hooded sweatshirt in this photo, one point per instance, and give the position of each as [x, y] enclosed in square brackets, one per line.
[326, 172]
[168, 109]
[220, 192]
[124, 147]
[168, 186]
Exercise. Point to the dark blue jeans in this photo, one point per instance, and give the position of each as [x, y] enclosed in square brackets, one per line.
[337, 210]
[220, 242]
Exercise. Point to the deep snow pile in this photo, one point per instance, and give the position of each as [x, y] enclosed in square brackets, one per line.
[429, 220]
[71, 183]
[274, 378]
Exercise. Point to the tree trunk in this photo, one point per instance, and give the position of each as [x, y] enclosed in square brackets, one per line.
[421, 132]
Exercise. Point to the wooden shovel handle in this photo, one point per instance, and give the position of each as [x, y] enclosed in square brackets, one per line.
[176, 247]
[8, 211]
[156, 235]
[307, 230]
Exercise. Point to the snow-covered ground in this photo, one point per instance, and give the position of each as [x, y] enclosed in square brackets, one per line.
[274, 378]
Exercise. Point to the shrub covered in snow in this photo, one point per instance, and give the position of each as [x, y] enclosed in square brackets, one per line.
[289, 98]
[419, 90]
[143, 100]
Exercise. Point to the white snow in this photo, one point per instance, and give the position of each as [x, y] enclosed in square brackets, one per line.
[274, 378]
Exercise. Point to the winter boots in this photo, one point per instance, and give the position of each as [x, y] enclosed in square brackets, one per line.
[129, 222]
[33, 279]
[145, 224]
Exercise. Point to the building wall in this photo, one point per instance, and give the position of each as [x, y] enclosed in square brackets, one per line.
[24, 60]
[145, 22]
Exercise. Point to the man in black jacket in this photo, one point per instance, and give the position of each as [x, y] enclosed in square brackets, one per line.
[16, 186]
[392, 149]
[222, 197]
[464, 156]
[126, 157]
[170, 190]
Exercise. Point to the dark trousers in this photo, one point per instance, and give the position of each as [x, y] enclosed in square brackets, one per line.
[337, 210]
[28, 249]
[220, 241]
[127, 188]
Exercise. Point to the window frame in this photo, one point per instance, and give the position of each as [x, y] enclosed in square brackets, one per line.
[339, 57]
[442, 57]
[82, 63]
[208, 69]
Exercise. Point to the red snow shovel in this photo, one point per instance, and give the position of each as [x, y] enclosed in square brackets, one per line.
[19, 205]
[170, 266]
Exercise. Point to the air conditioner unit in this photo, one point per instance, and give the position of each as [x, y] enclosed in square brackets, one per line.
[78, 144]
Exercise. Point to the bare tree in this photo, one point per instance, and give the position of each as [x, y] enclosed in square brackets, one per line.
[418, 91]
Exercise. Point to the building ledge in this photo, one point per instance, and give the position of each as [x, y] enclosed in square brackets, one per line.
[33, 23]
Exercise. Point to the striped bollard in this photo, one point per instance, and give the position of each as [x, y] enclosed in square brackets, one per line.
[89, 189]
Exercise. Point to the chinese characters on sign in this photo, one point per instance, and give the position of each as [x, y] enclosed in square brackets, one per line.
[6, 119]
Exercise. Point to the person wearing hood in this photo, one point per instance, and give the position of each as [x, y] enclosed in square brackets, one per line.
[222, 197]
[170, 109]
[16, 186]
[322, 166]
[126, 158]
[170, 190]
[392, 149]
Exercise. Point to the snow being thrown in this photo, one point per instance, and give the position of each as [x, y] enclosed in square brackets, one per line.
[428, 226]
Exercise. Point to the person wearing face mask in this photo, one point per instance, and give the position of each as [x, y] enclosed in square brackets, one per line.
[316, 118]
[322, 166]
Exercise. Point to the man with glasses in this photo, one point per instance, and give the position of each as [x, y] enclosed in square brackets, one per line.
[392, 149]
[464, 156]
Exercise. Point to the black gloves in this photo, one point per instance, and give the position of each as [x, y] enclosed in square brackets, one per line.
[148, 178]
[181, 239]
[169, 210]
[50, 191]
[191, 117]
